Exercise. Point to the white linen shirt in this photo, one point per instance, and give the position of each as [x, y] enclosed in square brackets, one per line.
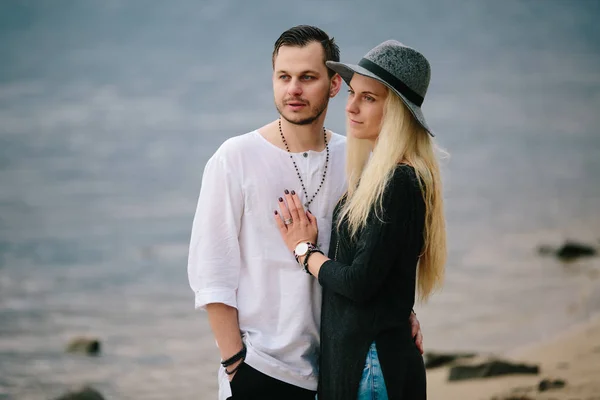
[237, 256]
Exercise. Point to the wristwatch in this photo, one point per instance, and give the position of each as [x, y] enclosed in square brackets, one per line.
[302, 248]
[305, 249]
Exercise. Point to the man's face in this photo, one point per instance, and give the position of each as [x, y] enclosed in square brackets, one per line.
[301, 85]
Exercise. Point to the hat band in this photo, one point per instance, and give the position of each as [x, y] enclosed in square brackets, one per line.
[396, 83]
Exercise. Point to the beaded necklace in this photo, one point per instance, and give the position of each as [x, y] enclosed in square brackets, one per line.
[298, 170]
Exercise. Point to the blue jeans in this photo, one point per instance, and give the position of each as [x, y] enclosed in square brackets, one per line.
[372, 384]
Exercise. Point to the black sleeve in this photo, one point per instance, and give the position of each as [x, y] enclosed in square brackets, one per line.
[380, 242]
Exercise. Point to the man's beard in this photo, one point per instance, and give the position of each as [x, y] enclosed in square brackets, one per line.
[316, 113]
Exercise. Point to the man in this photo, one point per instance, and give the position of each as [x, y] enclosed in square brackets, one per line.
[264, 310]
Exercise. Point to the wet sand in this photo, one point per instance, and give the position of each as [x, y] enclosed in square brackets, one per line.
[572, 356]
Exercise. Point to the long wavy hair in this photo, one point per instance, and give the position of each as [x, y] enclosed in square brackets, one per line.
[368, 169]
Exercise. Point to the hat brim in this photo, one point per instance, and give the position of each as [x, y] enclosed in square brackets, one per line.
[346, 71]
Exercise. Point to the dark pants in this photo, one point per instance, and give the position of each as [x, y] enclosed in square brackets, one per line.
[250, 384]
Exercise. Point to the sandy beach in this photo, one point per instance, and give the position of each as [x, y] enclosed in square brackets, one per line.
[572, 357]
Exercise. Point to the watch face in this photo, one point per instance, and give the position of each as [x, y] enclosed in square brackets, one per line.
[301, 249]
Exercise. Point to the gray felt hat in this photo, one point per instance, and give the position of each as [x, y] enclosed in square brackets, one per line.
[400, 68]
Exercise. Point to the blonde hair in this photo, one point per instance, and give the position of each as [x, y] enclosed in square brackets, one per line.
[401, 139]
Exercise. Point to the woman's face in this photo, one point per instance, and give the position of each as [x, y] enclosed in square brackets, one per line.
[364, 108]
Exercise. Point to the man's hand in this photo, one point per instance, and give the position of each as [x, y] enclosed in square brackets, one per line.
[415, 328]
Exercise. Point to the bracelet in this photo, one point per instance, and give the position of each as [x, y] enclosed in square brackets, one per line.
[235, 358]
[233, 371]
[308, 254]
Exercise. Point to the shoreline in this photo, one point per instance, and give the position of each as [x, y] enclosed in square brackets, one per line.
[555, 337]
[572, 356]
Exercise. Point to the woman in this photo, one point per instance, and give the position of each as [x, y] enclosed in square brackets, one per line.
[388, 228]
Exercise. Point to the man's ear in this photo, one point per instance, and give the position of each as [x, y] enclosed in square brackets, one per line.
[335, 86]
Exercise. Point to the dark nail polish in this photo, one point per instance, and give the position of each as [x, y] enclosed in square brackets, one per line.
[275, 212]
[286, 191]
[280, 199]
[308, 211]
[293, 192]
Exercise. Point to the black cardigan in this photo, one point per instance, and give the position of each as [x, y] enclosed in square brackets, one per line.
[368, 294]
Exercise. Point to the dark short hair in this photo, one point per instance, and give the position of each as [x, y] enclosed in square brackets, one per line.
[301, 36]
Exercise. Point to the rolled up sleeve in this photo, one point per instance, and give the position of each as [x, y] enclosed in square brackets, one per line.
[214, 253]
